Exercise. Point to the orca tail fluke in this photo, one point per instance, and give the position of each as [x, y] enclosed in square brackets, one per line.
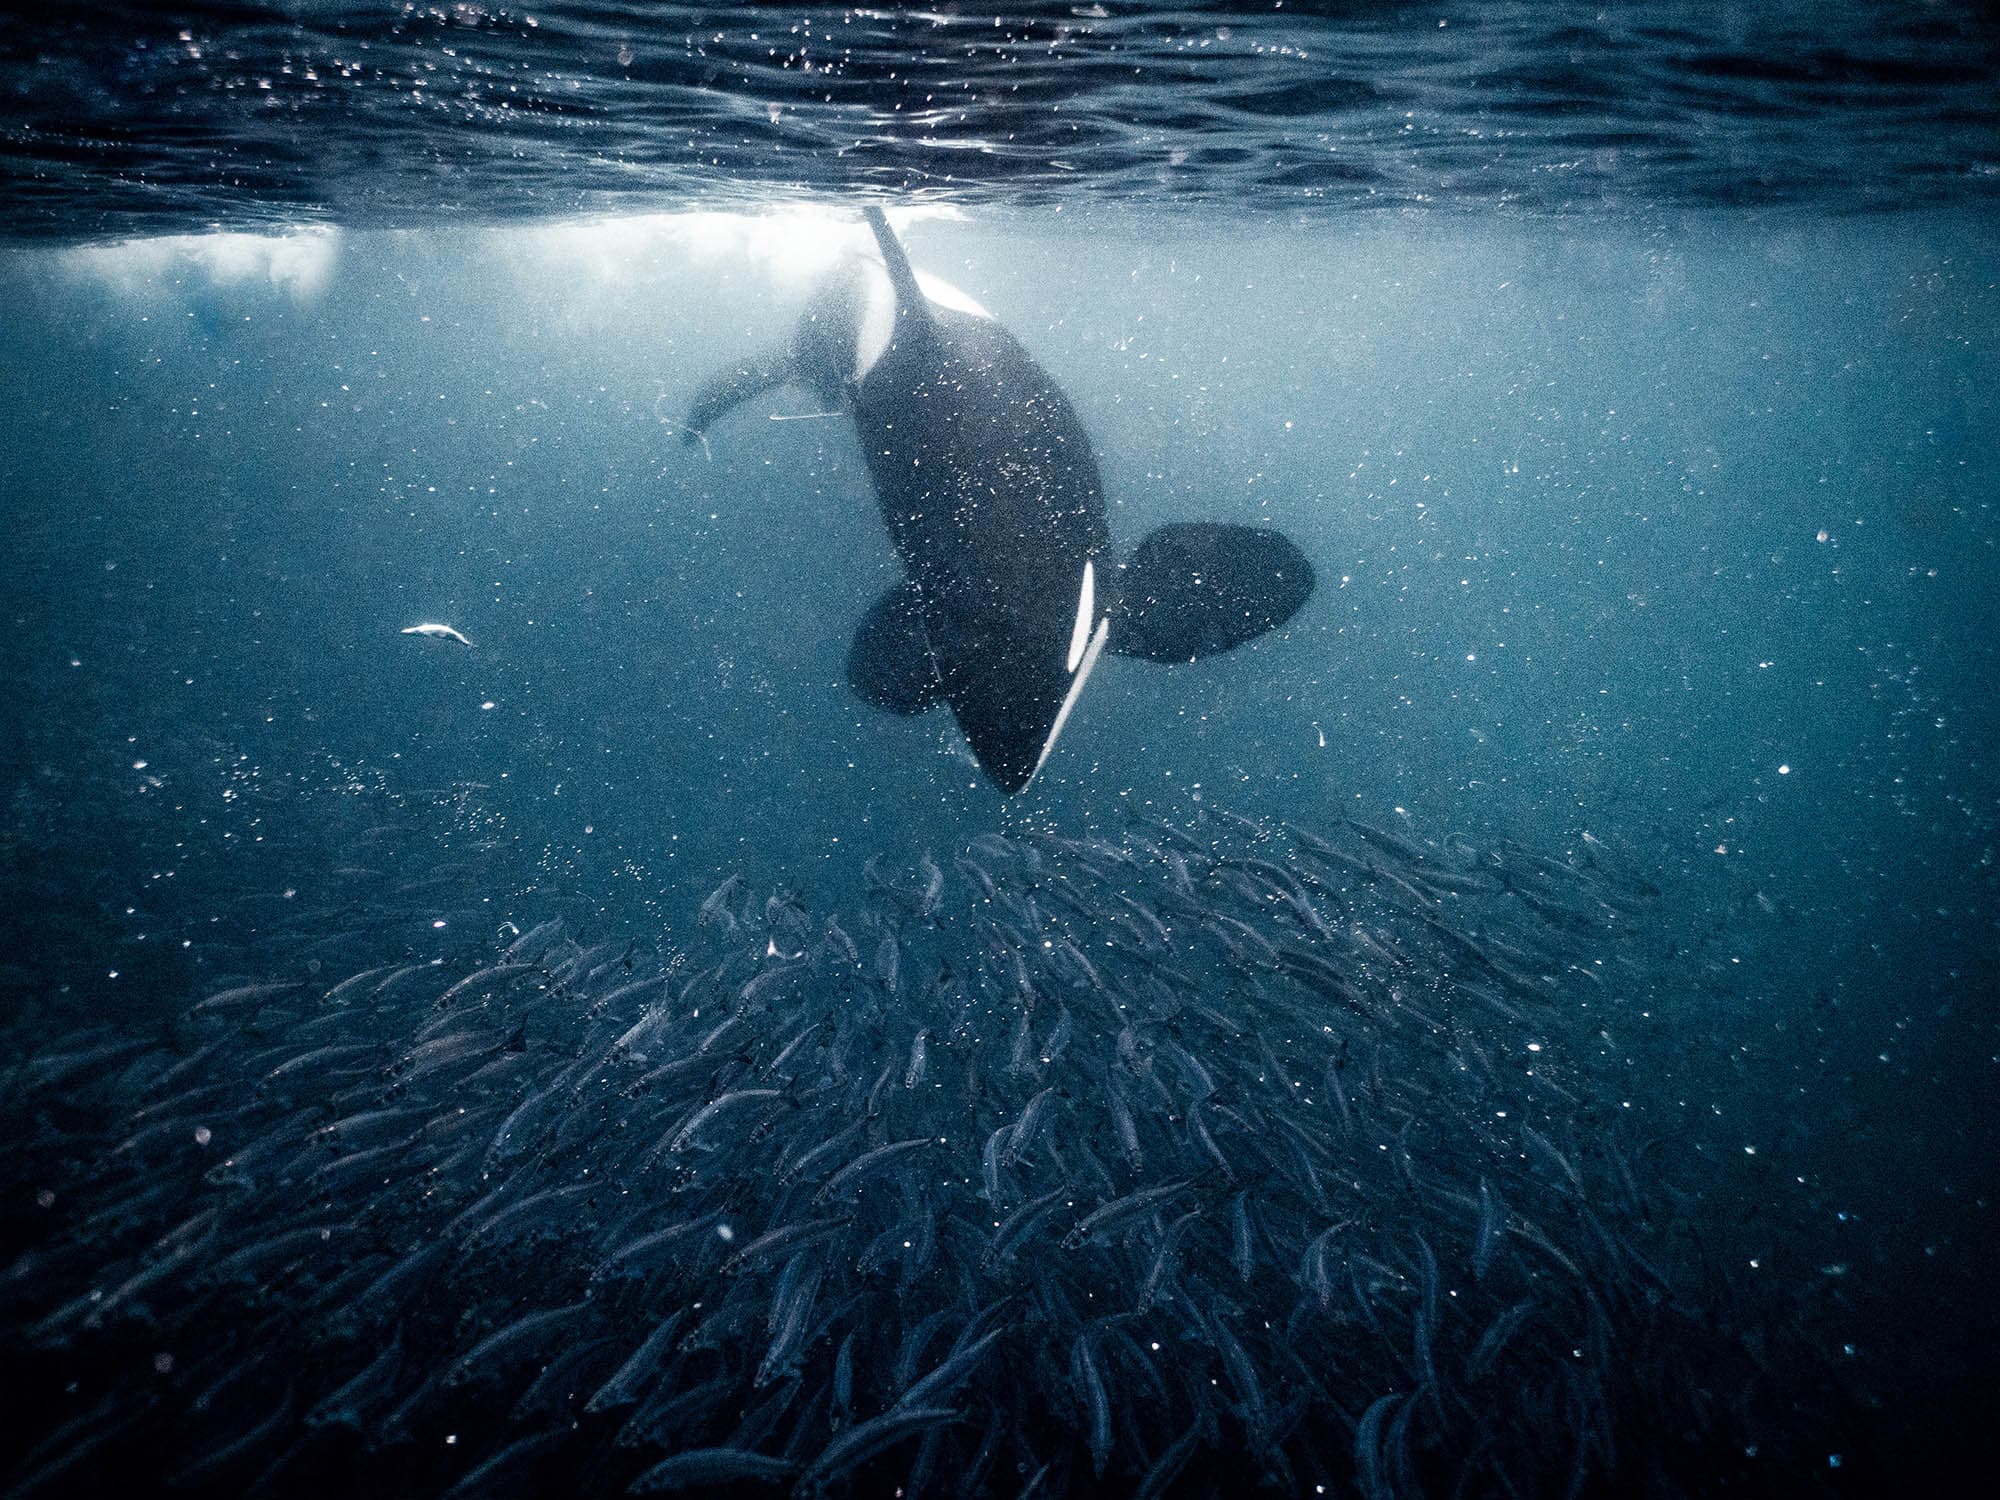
[730, 388]
[1198, 589]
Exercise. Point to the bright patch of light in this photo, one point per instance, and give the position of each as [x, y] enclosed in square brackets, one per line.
[790, 245]
[298, 263]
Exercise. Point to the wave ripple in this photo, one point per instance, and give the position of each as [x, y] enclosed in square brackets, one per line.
[118, 120]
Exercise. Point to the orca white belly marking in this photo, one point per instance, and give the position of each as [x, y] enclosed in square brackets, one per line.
[1086, 615]
[1082, 676]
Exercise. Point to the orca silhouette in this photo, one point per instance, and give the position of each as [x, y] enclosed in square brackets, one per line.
[992, 498]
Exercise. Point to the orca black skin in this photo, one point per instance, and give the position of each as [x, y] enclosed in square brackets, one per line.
[991, 495]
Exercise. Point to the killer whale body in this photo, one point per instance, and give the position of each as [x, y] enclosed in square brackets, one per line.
[991, 495]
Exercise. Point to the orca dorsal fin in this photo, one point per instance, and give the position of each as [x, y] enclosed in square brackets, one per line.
[912, 311]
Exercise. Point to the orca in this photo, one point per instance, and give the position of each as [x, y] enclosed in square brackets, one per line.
[992, 498]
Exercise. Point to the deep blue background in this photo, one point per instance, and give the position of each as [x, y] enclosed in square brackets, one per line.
[1680, 534]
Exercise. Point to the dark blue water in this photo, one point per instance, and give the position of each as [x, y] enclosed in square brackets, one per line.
[127, 118]
[1631, 387]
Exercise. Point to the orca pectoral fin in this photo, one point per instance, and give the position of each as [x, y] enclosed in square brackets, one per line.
[730, 388]
[889, 664]
[1197, 589]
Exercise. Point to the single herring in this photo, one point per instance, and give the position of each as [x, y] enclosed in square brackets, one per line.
[433, 631]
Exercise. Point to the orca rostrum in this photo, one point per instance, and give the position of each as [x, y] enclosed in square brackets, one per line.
[992, 499]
